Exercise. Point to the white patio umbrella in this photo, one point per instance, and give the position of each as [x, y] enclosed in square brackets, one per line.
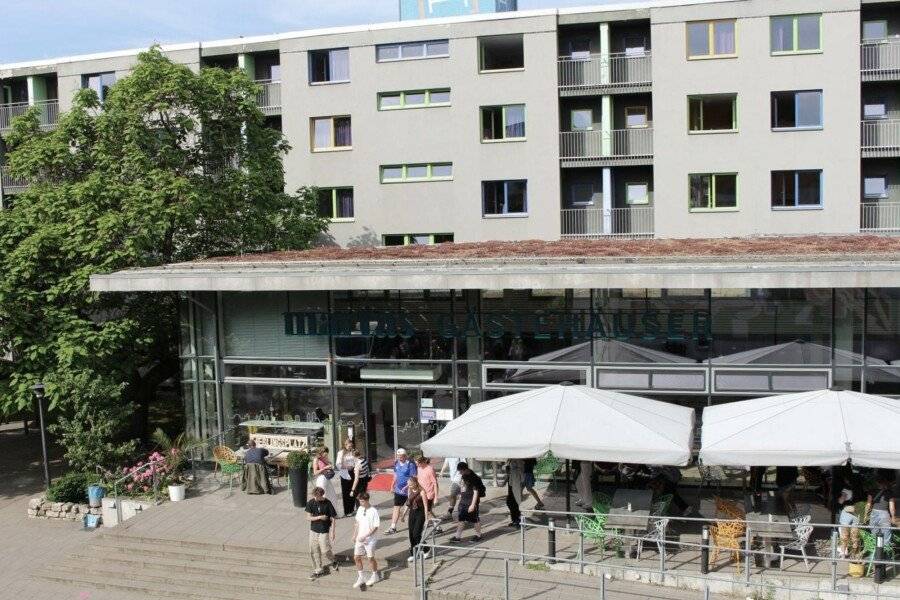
[818, 428]
[573, 422]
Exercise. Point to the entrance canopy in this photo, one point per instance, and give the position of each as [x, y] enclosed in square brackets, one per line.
[573, 422]
[819, 428]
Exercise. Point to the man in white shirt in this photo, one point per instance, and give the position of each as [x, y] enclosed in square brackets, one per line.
[455, 478]
[365, 529]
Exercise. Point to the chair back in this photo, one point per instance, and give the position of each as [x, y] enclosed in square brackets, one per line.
[803, 532]
[224, 454]
[801, 520]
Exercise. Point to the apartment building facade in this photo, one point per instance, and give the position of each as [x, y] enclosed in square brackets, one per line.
[650, 119]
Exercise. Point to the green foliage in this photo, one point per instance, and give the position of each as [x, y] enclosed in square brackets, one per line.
[174, 166]
[72, 487]
[91, 419]
[176, 452]
[298, 460]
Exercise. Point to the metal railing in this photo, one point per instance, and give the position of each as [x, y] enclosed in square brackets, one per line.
[269, 96]
[617, 143]
[156, 482]
[880, 217]
[574, 556]
[881, 137]
[598, 71]
[10, 184]
[48, 115]
[596, 223]
[880, 59]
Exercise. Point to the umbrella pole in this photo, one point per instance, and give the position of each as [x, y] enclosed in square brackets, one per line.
[568, 491]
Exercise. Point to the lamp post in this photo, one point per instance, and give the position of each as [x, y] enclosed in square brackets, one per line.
[39, 395]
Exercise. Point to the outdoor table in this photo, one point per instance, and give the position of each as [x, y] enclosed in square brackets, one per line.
[770, 528]
[630, 522]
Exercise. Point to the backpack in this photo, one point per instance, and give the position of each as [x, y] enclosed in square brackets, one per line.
[479, 487]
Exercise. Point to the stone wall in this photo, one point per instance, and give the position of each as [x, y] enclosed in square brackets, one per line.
[41, 508]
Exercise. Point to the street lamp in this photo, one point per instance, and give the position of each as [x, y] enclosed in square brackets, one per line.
[38, 390]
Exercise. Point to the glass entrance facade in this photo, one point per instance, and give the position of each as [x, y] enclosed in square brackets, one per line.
[389, 368]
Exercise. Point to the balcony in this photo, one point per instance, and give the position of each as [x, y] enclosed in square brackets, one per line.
[881, 138]
[269, 97]
[606, 148]
[880, 61]
[10, 185]
[49, 113]
[613, 73]
[880, 217]
[598, 223]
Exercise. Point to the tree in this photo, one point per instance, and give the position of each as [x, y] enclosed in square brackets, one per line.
[173, 166]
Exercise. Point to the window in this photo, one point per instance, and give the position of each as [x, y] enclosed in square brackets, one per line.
[712, 113]
[582, 120]
[331, 133]
[791, 34]
[712, 191]
[100, 83]
[416, 239]
[637, 193]
[329, 66]
[504, 197]
[413, 99]
[796, 189]
[874, 110]
[635, 44]
[412, 50]
[581, 194]
[875, 186]
[416, 172]
[797, 110]
[580, 48]
[636, 117]
[711, 39]
[503, 122]
[336, 203]
[501, 53]
[874, 30]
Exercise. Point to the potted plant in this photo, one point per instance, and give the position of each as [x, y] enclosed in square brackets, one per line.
[175, 451]
[298, 474]
[857, 566]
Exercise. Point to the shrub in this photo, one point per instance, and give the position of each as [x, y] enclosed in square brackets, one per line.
[72, 487]
[298, 460]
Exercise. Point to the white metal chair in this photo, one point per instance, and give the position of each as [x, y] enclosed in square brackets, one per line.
[802, 533]
[656, 533]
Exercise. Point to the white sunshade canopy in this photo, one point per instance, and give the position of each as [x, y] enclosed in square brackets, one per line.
[573, 422]
[818, 428]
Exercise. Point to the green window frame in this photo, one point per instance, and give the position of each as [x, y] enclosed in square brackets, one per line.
[333, 203]
[405, 99]
[697, 113]
[712, 192]
[505, 130]
[412, 239]
[780, 23]
[406, 177]
[716, 39]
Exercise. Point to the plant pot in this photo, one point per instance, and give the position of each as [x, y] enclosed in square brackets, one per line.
[856, 570]
[299, 479]
[95, 495]
[176, 492]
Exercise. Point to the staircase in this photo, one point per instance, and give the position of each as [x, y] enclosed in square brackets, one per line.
[160, 568]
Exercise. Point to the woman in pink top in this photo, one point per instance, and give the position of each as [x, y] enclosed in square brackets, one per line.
[428, 480]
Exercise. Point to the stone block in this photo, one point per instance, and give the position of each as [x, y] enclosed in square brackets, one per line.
[35, 503]
[56, 506]
[32, 512]
[66, 507]
[96, 511]
[83, 509]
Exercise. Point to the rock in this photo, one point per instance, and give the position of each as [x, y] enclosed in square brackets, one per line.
[66, 507]
[83, 509]
[96, 511]
[32, 512]
[56, 506]
[35, 503]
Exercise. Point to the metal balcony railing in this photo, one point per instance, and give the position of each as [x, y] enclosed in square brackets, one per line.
[598, 71]
[269, 97]
[49, 113]
[881, 59]
[880, 217]
[618, 143]
[10, 184]
[596, 223]
[881, 137]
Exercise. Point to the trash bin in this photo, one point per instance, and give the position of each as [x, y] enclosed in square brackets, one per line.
[95, 495]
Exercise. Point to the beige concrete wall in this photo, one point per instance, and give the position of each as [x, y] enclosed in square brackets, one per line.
[756, 150]
[436, 134]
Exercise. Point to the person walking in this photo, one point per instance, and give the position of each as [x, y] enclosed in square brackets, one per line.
[321, 514]
[516, 471]
[323, 471]
[365, 532]
[403, 470]
[346, 464]
[417, 506]
[451, 463]
[528, 478]
[427, 478]
[361, 474]
[471, 492]
[881, 507]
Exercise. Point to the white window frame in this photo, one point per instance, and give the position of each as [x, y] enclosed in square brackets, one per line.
[403, 94]
[573, 202]
[641, 110]
[818, 127]
[646, 197]
[399, 45]
[797, 205]
[883, 114]
[589, 111]
[884, 187]
[503, 109]
[405, 178]
[504, 215]
[878, 39]
[276, 380]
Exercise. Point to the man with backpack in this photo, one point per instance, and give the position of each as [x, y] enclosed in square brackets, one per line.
[321, 515]
[472, 490]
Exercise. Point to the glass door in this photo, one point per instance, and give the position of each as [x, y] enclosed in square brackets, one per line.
[409, 426]
[380, 427]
